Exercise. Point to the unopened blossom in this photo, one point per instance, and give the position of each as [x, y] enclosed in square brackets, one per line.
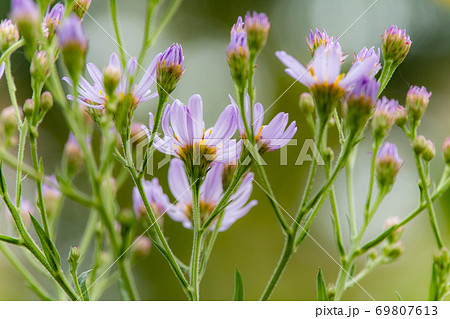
[25, 14]
[429, 151]
[419, 144]
[369, 53]
[270, 137]
[417, 101]
[390, 222]
[73, 154]
[52, 20]
[94, 95]
[74, 44]
[186, 137]
[446, 150]
[396, 44]
[211, 193]
[319, 38]
[387, 164]
[80, 7]
[360, 102]
[40, 66]
[141, 247]
[306, 103]
[257, 27]
[169, 68]
[159, 202]
[383, 117]
[9, 34]
[51, 195]
[238, 54]
[323, 77]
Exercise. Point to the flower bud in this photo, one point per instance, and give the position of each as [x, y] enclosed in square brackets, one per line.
[74, 44]
[52, 20]
[372, 254]
[387, 165]
[383, 118]
[318, 38]
[393, 251]
[9, 34]
[74, 156]
[40, 67]
[25, 15]
[28, 108]
[306, 103]
[395, 236]
[446, 150]
[169, 69]
[46, 101]
[8, 120]
[141, 247]
[111, 79]
[429, 151]
[360, 103]
[400, 116]
[74, 256]
[257, 27]
[80, 7]
[419, 144]
[328, 155]
[238, 54]
[51, 195]
[417, 101]
[396, 44]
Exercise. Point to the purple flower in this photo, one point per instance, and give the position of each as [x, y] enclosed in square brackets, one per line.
[72, 34]
[8, 34]
[270, 137]
[396, 44]
[80, 7]
[365, 53]
[211, 193]
[170, 68]
[24, 10]
[158, 201]
[94, 95]
[238, 39]
[257, 27]
[417, 101]
[2, 69]
[52, 19]
[319, 38]
[388, 164]
[185, 135]
[238, 53]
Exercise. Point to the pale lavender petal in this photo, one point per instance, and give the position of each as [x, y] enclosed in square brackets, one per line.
[225, 126]
[295, 69]
[211, 188]
[178, 182]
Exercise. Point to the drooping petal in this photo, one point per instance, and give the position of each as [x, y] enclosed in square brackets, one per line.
[178, 182]
[295, 69]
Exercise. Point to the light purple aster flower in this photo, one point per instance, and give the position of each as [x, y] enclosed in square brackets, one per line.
[24, 11]
[211, 193]
[388, 164]
[185, 135]
[94, 95]
[170, 68]
[52, 19]
[72, 34]
[365, 53]
[238, 40]
[319, 38]
[270, 137]
[158, 201]
[396, 44]
[2, 69]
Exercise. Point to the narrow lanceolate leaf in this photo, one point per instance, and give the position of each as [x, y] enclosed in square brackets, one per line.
[238, 287]
[82, 278]
[434, 285]
[49, 249]
[321, 287]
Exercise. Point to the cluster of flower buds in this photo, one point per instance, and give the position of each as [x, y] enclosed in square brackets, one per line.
[396, 45]
[169, 69]
[393, 247]
[9, 34]
[80, 7]
[387, 164]
[74, 155]
[25, 14]
[446, 150]
[52, 20]
[417, 101]
[423, 147]
[73, 43]
[383, 118]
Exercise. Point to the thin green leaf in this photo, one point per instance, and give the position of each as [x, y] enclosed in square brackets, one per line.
[82, 278]
[321, 287]
[434, 285]
[47, 245]
[399, 297]
[238, 287]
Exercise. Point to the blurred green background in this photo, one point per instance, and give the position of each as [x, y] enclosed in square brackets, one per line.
[254, 243]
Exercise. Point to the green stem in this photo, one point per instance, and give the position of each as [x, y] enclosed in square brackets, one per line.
[12, 90]
[22, 139]
[375, 147]
[335, 219]
[195, 258]
[148, 15]
[251, 89]
[115, 21]
[350, 194]
[11, 50]
[35, 286]
[386, 75]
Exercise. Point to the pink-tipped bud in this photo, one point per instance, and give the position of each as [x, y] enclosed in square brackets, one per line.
[446, 150]
[429, 152]
[417, 101]
[306, 103]
[80, 7]
[9, 34]
[257, 26]
[395, 236]
[419, 144]
[396, 45]
[170, 69]
[388, 164]
[25, 15]
[40, 67]
[238, 54]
